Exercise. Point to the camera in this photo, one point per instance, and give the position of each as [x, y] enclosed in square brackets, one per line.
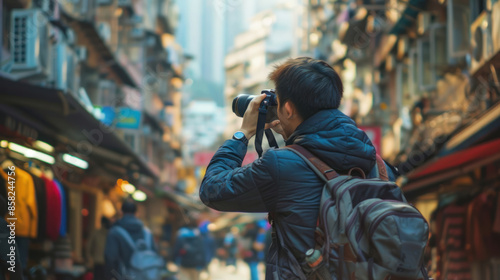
[240, 104]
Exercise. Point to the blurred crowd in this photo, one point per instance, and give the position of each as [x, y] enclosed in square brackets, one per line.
[186, 253]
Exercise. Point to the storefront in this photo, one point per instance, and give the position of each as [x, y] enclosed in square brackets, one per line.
[67, 167]
[458, 191]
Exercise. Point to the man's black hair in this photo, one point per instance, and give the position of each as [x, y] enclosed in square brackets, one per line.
[311, 85]
[129, 207]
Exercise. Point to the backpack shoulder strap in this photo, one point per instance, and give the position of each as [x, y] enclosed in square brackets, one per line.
[124, 233]
[148, 237]
[320, 167]
[382, 170]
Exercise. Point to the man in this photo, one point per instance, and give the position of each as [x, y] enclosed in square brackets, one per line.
[190, 253]
[118, 251]
[309, 93]
[254, 254]
[95, 250]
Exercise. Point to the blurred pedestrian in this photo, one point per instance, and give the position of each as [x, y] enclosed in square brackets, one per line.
[130, 249]
[95, 250]
[253, 250]
[209, 245]
[231, 246]
[190, 251]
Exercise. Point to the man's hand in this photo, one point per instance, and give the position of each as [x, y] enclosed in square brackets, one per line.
[278, 128]
[249, 125]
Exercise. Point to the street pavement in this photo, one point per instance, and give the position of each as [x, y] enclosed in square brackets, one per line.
[219, 271]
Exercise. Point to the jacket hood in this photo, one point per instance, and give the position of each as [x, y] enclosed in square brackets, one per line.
[334, 138]
[131, 224]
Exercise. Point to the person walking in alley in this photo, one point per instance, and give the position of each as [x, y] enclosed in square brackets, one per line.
[95, 250]
[190, 251]
[281, 182]
[253, 254]
[130, 249]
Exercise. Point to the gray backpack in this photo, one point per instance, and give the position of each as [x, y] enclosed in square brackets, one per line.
[367, 230]
[145, 263]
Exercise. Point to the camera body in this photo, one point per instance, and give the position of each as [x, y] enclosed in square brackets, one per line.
[270, 104]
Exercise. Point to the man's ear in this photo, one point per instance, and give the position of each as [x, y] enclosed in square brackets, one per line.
[289, 110]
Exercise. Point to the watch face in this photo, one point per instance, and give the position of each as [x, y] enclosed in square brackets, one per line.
[239, 135]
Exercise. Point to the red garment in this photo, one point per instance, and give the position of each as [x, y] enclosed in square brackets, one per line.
[450, 234]
[481, 242]
[496, 224]
[54, 209]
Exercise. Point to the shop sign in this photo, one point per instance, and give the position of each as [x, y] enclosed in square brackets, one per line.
[105, 114]
[375, 135]
[128, 118]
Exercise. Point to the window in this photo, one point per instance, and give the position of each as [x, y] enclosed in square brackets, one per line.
[458, 23]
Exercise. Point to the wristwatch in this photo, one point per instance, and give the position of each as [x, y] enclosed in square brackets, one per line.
[240, 136]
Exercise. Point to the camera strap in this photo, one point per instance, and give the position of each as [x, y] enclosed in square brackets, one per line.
[261, 124]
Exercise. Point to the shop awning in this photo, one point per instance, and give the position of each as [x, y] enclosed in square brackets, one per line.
[480, 128]
[62, 116]
[424, 178]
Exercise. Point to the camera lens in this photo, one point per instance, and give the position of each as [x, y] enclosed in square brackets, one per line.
[240, 104]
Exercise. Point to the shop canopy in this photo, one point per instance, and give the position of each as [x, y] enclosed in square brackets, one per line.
[451, 166]
[479, 129]
[61, 117]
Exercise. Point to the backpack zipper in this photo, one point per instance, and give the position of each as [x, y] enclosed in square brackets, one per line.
[351, 222]
[344, 191]
[375, 224]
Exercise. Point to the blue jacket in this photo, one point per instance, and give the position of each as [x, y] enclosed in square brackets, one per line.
[281, 182]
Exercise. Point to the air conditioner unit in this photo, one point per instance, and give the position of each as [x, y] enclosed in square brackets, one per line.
[458, 23]
[73, 68]
[49, 7]
[78, 8]
[70, 36]
[104, 31]
[81, 53]
[66, 68]
[137, 33]
[30, 44]
[106, 93]
[481, 41]
[60, 65]
[495, 26]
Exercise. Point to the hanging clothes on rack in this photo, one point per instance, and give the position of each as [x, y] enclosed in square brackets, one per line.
[26, 210]
[5, 163]
[41, 198]
[450, 223]
[53, 198]
[480, 238]
[64, 210]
